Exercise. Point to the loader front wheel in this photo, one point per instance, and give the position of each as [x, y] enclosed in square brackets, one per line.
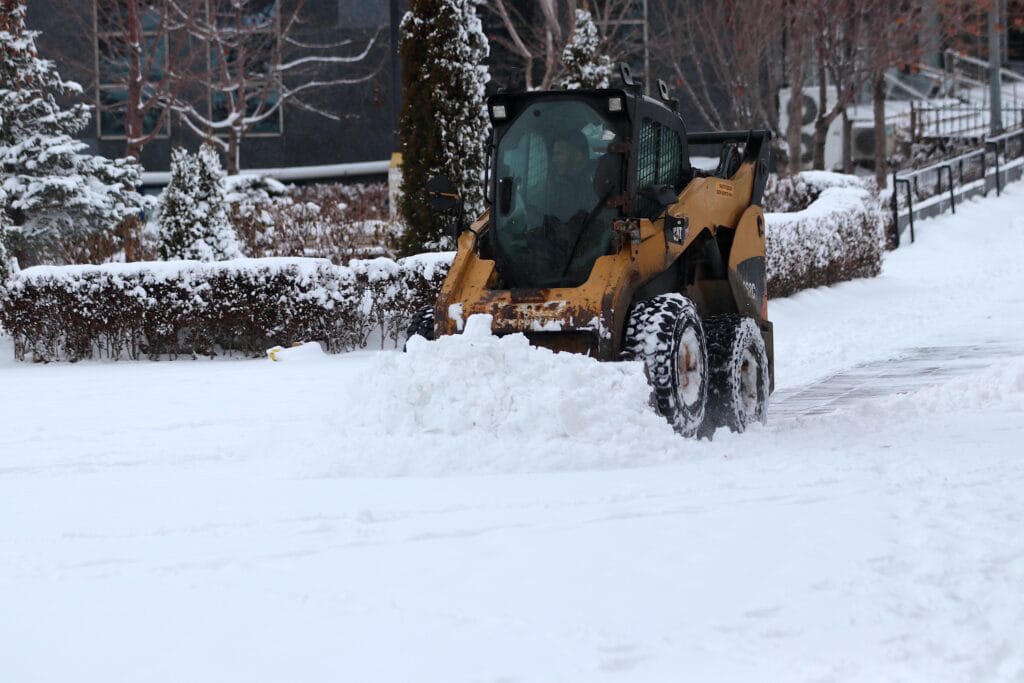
[421, 324]
[738, 392]
[665, 332]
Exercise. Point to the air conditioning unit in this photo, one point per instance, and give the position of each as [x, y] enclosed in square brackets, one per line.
[834, 137]
[863, 143]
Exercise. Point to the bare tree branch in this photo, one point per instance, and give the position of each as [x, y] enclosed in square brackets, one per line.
[259, 62]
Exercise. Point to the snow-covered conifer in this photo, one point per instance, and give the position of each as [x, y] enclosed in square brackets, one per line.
[444, 125]
[4, 255]
[53, 188]
[193, 216]
[586, 67]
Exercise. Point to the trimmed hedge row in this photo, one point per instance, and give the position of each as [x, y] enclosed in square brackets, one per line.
[789, 194]
[163, 310]
[837, 237]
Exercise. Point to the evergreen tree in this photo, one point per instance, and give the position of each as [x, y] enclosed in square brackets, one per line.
[443, 127]
[192, 210]
[5, 267]
[585, 67]
[53, 188]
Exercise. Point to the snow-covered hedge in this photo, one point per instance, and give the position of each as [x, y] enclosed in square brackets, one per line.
[168, 309]
[797, 192]
[832, 232]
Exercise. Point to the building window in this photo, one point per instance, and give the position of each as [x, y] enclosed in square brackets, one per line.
[241, 58]
[114, 68]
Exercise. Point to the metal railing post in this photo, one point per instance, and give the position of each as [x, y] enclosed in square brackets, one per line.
[995, 154]
[910, 205]
[895, 211]
[949, 171]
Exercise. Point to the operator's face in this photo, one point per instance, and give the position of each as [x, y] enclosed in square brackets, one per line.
[565, 159]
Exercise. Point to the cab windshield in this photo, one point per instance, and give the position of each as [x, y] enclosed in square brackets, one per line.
[554, 177]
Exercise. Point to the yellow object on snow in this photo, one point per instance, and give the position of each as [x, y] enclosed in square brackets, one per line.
[297, 351]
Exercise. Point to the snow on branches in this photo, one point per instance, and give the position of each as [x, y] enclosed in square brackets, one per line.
[264, 56]
[444, 125]
[5, 267]
[193, 219]
[586, 68]
[52, 187]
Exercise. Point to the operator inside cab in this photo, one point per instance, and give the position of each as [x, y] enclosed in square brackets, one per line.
[572, 175]
[552, 221]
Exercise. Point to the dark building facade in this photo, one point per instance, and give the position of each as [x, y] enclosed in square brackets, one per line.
[73, 36]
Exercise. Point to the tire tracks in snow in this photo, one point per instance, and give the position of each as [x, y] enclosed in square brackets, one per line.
[914, 369]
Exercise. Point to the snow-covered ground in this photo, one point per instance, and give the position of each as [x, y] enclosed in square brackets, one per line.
[476, 510]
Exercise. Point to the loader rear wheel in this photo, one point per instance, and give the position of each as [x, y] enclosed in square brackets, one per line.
[665, 332]
[738, 391]
[421, 324]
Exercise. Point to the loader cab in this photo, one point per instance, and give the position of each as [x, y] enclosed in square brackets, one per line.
[566, 165]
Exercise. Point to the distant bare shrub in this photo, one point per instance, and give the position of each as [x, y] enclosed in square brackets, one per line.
[333, 221]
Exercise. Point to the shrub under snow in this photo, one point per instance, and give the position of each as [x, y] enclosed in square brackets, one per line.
[335, 221]
[832, 233]
[586, 68]
[159, 309]
[193, 218]
[188, 307]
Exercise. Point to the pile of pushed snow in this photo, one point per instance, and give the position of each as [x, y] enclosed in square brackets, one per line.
[1000, 385]
[553, 410]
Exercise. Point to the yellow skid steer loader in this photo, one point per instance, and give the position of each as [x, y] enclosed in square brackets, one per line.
[601, 239]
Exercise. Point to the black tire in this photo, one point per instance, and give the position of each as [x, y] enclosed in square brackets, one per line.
[421, 324]
[665, 332]
[738, 392]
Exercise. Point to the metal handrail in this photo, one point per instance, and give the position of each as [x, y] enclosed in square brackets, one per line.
[1009, 135]
[982, 64]
[996, 145]
[932, 167]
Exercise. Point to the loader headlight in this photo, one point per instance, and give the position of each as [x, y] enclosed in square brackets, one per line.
[614, 104]
[499, 113]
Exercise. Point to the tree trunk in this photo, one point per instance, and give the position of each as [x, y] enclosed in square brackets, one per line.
[847, 143]
[234, 143]
[133, 104]
[878, 100]
[129, 236]
[795, 110]
[820, 133]
[820, 124]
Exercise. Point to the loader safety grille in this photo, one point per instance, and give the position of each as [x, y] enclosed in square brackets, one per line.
[659, 162]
